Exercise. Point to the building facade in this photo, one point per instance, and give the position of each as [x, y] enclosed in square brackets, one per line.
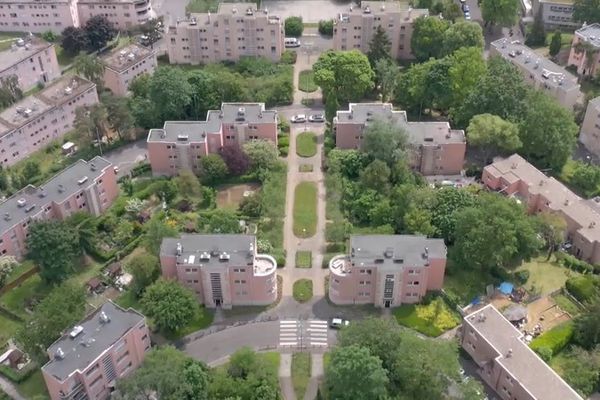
[540, 72]
[556, 14]
[387, 270]
[33, 122]
[236, 30]
[124, 14]
[506, 363]
[37, 16]
[89, 186]
[32, 60]
[515, 177]
[590, 129]
[86, 362]
[435, 148]
[123, 65]
[180, 145]
[355, 28]
[223, 270]
[585, 50]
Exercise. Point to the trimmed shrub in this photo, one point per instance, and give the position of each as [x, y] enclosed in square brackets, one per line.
[574, 263]
[554, 340]
[289, 57]
[583, 288]
[279, 255]
[293, 26]
[326, 27]
[545, 353]
[522, 276]
[18, 376]
[335, 247]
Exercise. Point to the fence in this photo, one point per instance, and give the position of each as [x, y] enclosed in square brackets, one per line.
[22, 278]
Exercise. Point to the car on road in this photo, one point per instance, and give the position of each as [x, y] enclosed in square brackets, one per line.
[299, 118]
[465, 8]
[291, 42]
[316, 118]
[338, 323]
[467, 16]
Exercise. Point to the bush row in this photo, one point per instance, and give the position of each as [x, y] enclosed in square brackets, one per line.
[583, 288]
[576, 264]
[18, 376]
[553, 341]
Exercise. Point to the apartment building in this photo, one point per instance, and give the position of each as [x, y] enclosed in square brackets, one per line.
[515, 177]
[179, 145]
[86, 362]
[124, 14]
[539, 72]
[585, 50]
[506, 363]
[590, 128]
[37, 16]
[123, 65]
[435, 148]
[355, 28]
[89, 186]
[223, 270]
[387, 270]
[236, 30]
[35, 121]
[556, 14]
[31, 60]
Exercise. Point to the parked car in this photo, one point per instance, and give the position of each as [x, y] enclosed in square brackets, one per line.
[300, 118]
[316, 118]
[465, 8]
[467, 16]
[291, 42]
[338, 323]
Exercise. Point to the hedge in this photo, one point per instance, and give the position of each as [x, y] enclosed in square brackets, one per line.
[18, 376]
[555, 339]
[574, 263]
[583, 288]
[279, 256]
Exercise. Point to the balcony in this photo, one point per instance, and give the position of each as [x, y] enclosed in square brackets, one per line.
[340, 265]
[264, 265]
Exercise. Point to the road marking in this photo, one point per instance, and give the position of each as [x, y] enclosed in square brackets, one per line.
[288, 344]
[316, 330]
[318, 344]
[285, 329]
[318, 339]
[288, 322]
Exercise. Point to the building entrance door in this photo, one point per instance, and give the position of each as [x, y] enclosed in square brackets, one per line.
[387, 304]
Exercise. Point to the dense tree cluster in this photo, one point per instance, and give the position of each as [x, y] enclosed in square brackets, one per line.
[10, 91]
[343, 75]
[437, 38]
[93, 36]
[586, 11]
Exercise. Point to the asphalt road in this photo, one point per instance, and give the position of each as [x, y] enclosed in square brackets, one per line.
[127, 157]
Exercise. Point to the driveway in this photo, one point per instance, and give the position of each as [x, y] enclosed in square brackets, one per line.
[128, 156]
[170, 9]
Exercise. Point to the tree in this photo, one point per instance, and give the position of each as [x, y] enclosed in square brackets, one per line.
[145, 270]
[118, 114]
[347, 75]
[492, 135]
[90, 122]
[251, 206]
[555, 43]
[585, 178]
[170, 93]
[86, 228]
[74, 40]
[219, 221]
[587, 327]
[7, 265]
[552, 228]
[384, 141]
[548, 132]
[467, 66]
[293, 26]
[417, 221]
[353, 373]
[10, 91]
[326, 27]
[536, 36]
[581, 369]
[49, 36]
[170, 305]
[99, 31]
[502, 12]
[213, 169]
[188, 184]
[63, 307]
[236, 160]
[331, 107]
[379, 47]
[443, 208]
[428, 37]
[90, 68]
[462, 34]
[156, 231]
[205, 94]
[386, 72]
[150, 29]
[451, 11]
[586, 11]
[31, 169]
[54, 247]
[376, 176]
[262, 155]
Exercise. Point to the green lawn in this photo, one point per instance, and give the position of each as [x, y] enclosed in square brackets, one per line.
[545, 276]
[566, 304]
[306, 82]
[431, 320]
[305, 210]
[303, 290]
[306, 144]
[303, 259]
[305, 168]
[19, 270]
[7, 39]
[8, 328]
[16, 299]
[300, 373]
[201, 6]
[202, 320]
[34, 387]
[128, 299]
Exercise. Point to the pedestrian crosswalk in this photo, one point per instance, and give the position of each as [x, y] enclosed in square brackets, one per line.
[301, 334]
[288, 333]
[317, 332]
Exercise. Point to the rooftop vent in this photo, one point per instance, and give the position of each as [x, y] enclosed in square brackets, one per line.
[182, 138]
[27, 112]
[537, 64]
[215, 252]
[6, 216]
[131, 56]
[82, 180]
[509, 353]
[123, 53]
[383, 7]
[20, 42]
[242, 111]
[566, 202]
[205, 256]
[21, 202]
[249, 11]
[104, 318]
[428, 139]
[179, 249]
[193, 21]
[59, 354]
[542, 182]
[93, 166]
[592, 224]
[76, 331]
[224, 257]
[513, 165]
[389, 252]
[367, 10]
[68, 90]
[61, 188]
[29, 208]
[481, 317]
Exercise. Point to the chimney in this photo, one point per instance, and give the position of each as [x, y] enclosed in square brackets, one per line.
[104, 318]
[179, 249]
[509, 354]
[59, 354]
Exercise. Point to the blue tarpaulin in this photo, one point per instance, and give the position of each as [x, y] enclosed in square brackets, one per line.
[506, 288]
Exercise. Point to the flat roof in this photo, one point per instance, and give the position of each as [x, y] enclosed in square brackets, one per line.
[16, 209]
[388, 250]
[97, 336]
[517, 358]
[245, 10]
[22, 49]
[31, 107]
[36, 1]
[423, 132]
[123, 58]
[211, 250]
[385, 7]
[545, 70]
[591, 33]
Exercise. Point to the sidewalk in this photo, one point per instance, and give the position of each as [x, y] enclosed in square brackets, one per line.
[285, 377]
[10, 389]
[315, 376]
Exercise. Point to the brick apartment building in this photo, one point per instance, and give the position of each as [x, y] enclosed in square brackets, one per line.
[387, 270]
[223, 270]
[32, 60]
[436, 149]
[590, 128]
[556, 14]
[86, 362]
[586, 61]
[124, 14]
[122, 66]
[179, 145]
[354, 29]
[89, 186]
[539, 72]
[37, 16]
[35, 121]
[506, 363]
[236, 30]
[515, 177]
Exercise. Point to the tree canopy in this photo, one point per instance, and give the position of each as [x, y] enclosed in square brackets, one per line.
[501, 12]
[145, 269]
[492, 135]
[169, 304]
[384, 141]
[347, 75]
[379, 47]
[293, 26]
[462, 34]
[586, 11]
[428, 37]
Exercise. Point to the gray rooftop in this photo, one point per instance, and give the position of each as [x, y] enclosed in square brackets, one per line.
[20, 50]
[386, 7]
[96, 337]
[123, 58]
[542, 68]
[56, 190]
[522, 363]
[211, 250]
[388, 250]
[425, 132]
[591, 33]
[243, 10]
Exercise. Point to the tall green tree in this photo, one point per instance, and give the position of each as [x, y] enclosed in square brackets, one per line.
[586, 11]
[213, 169]
[467, 66]
[379, 47]
[428, 37]
[581, 369]
[89, 67]
[444, 207]
[417, 221]
[376, 176]
[156, 231]
[387, 73]
[536, 36]
[587, 327]
[585, 178]
[451, 11]
[552, 228]
[555, 43]
[99, 31]
[501, 12]
[170, 93]
[74, 40]
[10, 91]
[118, 115]
[188, 184]
[347, 75]
[492, 135]
[384, 141]
[293, 26]
[170, 305]
[262, 155]
[462, 34]
[145, 270]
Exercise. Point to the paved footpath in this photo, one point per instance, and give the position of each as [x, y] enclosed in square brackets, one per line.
[285, 377]
[316, 374]
[10, 389]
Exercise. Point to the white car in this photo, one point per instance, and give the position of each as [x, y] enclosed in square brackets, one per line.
[338, 323]
[297, 119]
[316, 118]
[468, 16]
